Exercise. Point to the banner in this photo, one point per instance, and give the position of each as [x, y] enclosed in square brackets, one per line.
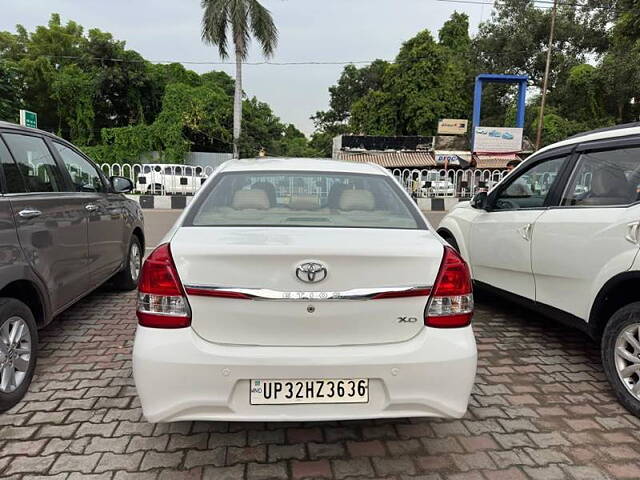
[451, 126]
[497, 140]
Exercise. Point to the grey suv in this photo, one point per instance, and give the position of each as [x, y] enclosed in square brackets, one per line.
[65, 229]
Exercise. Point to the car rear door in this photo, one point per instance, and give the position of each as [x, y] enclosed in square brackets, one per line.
[106, 240]
[51, 222]
[500, 239]
[594, 231]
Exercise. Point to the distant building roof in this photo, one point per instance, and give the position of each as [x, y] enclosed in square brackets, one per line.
[390, 159]
[381, 143]
[494, 160]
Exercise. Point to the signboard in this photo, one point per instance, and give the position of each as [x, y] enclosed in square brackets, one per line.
[449, 126]
[28, 119]
[497, 140]
[450, 159]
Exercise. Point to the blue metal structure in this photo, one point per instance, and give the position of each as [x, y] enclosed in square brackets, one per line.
[521, 80]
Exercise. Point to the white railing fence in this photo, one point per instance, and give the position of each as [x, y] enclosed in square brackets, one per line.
[187, 179]
[161, 179]
[428, 183]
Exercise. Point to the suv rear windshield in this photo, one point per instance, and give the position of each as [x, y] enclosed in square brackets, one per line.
[305, 199]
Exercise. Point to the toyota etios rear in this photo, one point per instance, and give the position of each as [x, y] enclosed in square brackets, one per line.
[303, 290]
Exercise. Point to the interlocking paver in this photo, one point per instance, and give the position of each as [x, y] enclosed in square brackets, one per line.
[540, 409]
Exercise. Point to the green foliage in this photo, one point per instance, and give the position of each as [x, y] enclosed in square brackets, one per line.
[556, 127]
[429, 80]
[594, 79]
[375, 114]
[244, 18]
[90, 89]
[73, 90]
[9, 92]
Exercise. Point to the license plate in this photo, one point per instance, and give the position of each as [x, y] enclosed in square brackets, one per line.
[307, 390]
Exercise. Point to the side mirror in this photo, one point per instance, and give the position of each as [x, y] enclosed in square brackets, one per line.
[479, 200]
[121, 184]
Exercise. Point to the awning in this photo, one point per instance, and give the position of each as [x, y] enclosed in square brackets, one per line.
[494, 160]
[453, 158]
[390, 159]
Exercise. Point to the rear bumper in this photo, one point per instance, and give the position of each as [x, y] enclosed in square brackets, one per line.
[180, 376]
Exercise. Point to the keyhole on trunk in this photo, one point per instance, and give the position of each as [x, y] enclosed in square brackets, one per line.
[311, 309]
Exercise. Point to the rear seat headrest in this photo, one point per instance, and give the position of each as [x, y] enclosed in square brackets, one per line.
[357, 200]
[246, 199]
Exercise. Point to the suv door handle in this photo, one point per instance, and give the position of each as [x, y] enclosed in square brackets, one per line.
[525, 232]
[633, 233]
[29, 213]
[90, 207]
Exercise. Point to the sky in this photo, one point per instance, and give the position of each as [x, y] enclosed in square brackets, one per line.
[310, 30]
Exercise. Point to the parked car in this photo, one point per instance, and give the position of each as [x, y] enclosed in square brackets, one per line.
[170, 179]
[561, 234]
[436, 185]
[64, 230]
[332, 299]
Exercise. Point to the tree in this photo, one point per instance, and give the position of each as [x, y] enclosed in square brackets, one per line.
[9, 92]
[375, 114]
[245, 18]
[427, 81]
[353, 84]
[73, 92]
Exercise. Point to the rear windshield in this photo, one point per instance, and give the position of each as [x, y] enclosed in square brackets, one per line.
[305, 199]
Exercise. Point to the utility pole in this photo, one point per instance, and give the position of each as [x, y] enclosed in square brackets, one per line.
[546, 75]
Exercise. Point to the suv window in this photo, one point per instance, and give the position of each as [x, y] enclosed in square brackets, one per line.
[84, 176]
[603, 178]
[39, 170]
[529, 189]
[12, 176]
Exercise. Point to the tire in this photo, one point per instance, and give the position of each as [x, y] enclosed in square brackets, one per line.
[14, 313]
[127, 278]
[615, 339]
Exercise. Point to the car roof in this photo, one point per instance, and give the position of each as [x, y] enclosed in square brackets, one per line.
[15, 126]
[599, 134]
[301, 164]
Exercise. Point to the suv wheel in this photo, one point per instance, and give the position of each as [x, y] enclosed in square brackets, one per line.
[18, 351]
[621, 355]
[127, 278]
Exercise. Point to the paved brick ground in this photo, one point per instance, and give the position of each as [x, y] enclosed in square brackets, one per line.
[541, 409]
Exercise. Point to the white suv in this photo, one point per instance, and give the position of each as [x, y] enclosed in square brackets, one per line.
[562, 233]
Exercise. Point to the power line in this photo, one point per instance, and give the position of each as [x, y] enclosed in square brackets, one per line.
[265, 62]
[193, 62]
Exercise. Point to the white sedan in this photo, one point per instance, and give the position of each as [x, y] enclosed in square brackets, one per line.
[303, 289]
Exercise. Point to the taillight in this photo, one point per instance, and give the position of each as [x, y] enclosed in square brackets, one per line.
[161, 299]
[451, 303]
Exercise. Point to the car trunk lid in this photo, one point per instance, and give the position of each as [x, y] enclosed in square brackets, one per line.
[242, 285]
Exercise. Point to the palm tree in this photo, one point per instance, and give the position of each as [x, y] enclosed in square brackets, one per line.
[243, 18]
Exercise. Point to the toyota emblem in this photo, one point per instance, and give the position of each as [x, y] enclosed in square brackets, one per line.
[311, 272]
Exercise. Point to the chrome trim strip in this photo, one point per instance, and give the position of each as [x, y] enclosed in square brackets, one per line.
[267, 294]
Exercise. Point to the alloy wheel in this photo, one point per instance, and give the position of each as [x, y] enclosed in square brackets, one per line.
[15, 353]
[627, 358]
[135, 261]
